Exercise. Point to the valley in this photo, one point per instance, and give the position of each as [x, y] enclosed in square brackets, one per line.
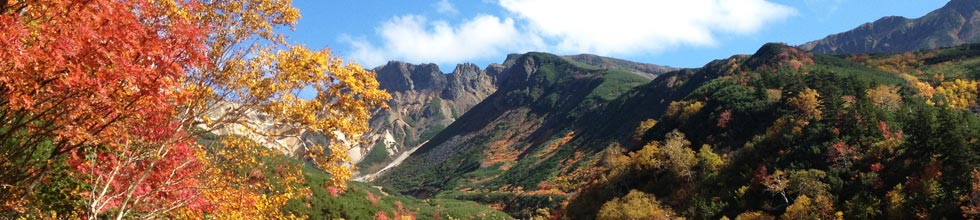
[164, 109]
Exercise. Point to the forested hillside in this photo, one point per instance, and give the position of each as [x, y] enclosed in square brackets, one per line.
[781, 133]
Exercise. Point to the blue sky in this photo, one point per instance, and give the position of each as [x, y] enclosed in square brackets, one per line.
[681, 33]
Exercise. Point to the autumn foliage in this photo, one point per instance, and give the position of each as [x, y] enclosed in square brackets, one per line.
[119, 92]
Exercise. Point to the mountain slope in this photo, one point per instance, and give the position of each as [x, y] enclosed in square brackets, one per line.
[827, 137]
[424, 101]
[649, 71]
[958, 22]
[833, 128]
[540, 121]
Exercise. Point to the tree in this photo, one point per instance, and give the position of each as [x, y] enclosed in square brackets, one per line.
[683, 110]
[958, 94]
[808, 182]
[840, 155]
[650, 157]
[674, 154]
[643, 128]
[679, 155]
[896, 208]
[885, 97]
[636, 205]
[808, 103]
[776, 183]
[754, 215]
[710, 161]
[97, 73]
[250, 182]
[724, 118]
[804, 208]
[253, 71]
[971, 208]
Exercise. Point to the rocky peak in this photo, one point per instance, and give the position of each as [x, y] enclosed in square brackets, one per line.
[465, 78]
[398, 76]
[428, 77]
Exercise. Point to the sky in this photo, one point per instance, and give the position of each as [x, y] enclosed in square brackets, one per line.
[677, 33]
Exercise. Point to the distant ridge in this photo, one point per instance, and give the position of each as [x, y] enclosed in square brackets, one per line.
[956, 23]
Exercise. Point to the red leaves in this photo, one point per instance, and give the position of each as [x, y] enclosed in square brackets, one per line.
[112, 65]
[333, 190]
[724, 118]
[94, 79]
[877, 167]
[143, 184]
[840, 155]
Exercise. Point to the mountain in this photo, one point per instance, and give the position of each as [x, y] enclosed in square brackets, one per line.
[797, 135]
[956, 23]
[425, 101]
[779, 132]
[643, 69]
[540, 120]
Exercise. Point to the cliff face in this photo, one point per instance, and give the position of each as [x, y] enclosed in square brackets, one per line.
[424, 101]
[954, 24]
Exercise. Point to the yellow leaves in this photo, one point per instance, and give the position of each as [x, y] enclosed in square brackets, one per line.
[648, 158]
[636, 205]
[682, 110]
[291, 89]
[674, 154]
[885, 97]
[710, 161]
[808, 102]
[643, 128]
[238, 187]
[958, 94]
[805, 208]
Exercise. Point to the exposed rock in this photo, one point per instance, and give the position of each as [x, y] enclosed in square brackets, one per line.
[424, 101]
[954, 24]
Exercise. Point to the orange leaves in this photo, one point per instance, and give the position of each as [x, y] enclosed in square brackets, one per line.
[500, 152]
[971, 208]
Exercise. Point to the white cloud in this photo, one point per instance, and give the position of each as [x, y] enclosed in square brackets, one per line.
[413, 38]
[446, 7]
[641, 26]
[610, 27]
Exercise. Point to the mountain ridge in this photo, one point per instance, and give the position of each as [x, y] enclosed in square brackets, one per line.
[956, 23]
[425, 100]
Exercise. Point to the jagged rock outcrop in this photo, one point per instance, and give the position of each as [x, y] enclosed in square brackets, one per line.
[956, 23]
[424, 101]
